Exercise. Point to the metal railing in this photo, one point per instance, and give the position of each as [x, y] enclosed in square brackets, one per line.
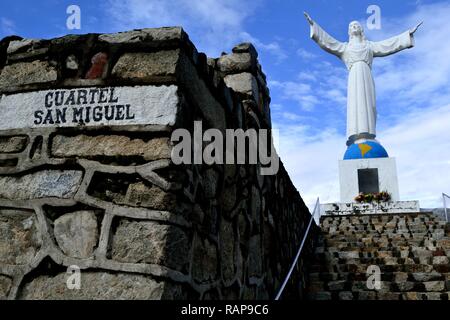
[294, 263]
[444, 196]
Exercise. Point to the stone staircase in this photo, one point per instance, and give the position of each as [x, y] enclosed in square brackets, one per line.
[412, 251]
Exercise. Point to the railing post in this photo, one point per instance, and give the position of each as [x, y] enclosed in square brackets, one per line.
[445, 205]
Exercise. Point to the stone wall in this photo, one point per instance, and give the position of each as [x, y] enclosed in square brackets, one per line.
[96, 187]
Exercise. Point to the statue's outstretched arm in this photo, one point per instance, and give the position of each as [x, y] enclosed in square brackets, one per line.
[395, 44]
[323, 39]
[392, 45]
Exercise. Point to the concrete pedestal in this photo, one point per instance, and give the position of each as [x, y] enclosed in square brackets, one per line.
[367, 175]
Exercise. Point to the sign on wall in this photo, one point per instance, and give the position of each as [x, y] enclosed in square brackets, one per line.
[95, 106]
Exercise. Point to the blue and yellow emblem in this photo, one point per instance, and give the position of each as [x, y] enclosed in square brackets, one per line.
[365, 150]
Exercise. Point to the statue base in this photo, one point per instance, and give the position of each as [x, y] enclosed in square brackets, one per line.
[369, 175]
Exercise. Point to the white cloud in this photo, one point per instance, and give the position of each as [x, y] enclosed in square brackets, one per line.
[7, 26]
[290, 116]
[300, 92]
[311, 160]
[306, 76]
[322, 83]
[305, 54]
[421, 144]
[214, 25]
[273, 48]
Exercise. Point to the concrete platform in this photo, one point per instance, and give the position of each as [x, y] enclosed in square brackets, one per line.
[349, 208]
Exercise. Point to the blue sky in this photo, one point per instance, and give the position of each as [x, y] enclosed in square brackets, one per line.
[308, 86]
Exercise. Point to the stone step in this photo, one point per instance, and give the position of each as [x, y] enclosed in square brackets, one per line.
[382, 252]
[380, 295]
[385, 276]
[441, 232]
[390, 243]
[336, 267]
[429, 226]
[436, 234]
[389, 225]
[434, 261]
[398, 286]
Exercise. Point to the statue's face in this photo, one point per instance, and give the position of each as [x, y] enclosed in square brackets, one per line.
[355, 28]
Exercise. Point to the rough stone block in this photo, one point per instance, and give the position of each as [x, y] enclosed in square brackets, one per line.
[22, 73]
[426, 276]
[255, 259]
[316, 286]
[367, 295]
[433, 295]
[359, 286]
[210, 183]
[12, 144]
[150, 242]
[400, 277]
[147, 66]
[444, 243]
[204, 264]
[384, 254]
[20, 238]
[389, 261]
[440, 260]
[110, 146]
[20, 45]
[349, 254]
[98, 67]
[411, 296]
[336, 285]
[324, 295]
[5, 287]
[236, 63]
[229, 197]
[101, 286]
[245, 47]
[421, 252]
[227, 241]
[388, 296]
[150, 36]
[77, 233]
[142, 195]
[42, 184]
[405, 286]
[345, 295]
[244, 83]
[434, 285]
[438, 234]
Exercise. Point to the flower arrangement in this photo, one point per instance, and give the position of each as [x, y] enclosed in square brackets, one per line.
[382, 196]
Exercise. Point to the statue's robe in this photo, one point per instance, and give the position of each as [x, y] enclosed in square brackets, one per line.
[361, 103]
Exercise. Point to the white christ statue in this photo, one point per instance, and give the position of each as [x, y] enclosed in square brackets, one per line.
[358, 54]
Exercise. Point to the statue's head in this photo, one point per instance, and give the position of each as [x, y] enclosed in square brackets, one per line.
[355, 29]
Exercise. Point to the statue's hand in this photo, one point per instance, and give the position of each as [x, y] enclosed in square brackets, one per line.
[310, 21]
[413, 30]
